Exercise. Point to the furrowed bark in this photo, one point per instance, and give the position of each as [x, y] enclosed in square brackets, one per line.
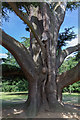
[68, 78]
[45, 38]
[50, 36]
[35, 17]
[59, 9]
[26, 20]
[63, 54]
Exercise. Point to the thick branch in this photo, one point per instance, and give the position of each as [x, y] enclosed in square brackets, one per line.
[63, 54]
[69, 77]
[26, 20]
[20, 53]
[60, 9]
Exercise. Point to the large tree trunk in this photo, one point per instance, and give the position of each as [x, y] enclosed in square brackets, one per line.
[40, 68]
[32, 102]
[39, 64]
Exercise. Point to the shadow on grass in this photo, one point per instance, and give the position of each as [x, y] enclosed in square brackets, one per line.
[72, 99]
[69, 95]
[12, 109]
[37, 119]
[17, 94]
[18, 110]
[13, 102]
[8, 104]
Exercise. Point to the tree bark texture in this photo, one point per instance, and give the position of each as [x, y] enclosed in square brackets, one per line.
[40, 63]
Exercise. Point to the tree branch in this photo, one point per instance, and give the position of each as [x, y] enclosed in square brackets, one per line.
[21, 54]
[60, 9]
[69, 77]
[26, 20]
[63, 54]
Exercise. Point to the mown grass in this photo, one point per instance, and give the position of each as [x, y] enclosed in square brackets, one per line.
[12, 99]
[73, 98]
[13, 96]
[22, 96]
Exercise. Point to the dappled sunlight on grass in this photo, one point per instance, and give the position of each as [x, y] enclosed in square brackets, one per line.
[13, 110]
[69, 115]
[17, 111]
[73, 98]
[13, 106]
[14, 97]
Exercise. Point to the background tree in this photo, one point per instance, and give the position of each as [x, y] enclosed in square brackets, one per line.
[13, 79]
[41, 61]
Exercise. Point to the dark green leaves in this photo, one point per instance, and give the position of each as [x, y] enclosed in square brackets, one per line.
[67, 35]
[73, 5]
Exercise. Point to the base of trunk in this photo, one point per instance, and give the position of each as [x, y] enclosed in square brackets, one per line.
[42, 97]
[32, 110]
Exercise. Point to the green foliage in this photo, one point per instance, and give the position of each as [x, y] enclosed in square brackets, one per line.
[11, 60]
[65, 90]
[15, 86]
[73, 5]
[67, 35]
[26, 42]
[67, 65]
[12, 84]
[78, 56]
[75, 87]
[9, 67]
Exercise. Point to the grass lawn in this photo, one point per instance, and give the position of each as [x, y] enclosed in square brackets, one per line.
[12, 99]
[73, 98]
[22, 96]
[13, 96]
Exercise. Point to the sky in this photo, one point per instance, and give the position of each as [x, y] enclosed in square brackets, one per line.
[16, 28]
